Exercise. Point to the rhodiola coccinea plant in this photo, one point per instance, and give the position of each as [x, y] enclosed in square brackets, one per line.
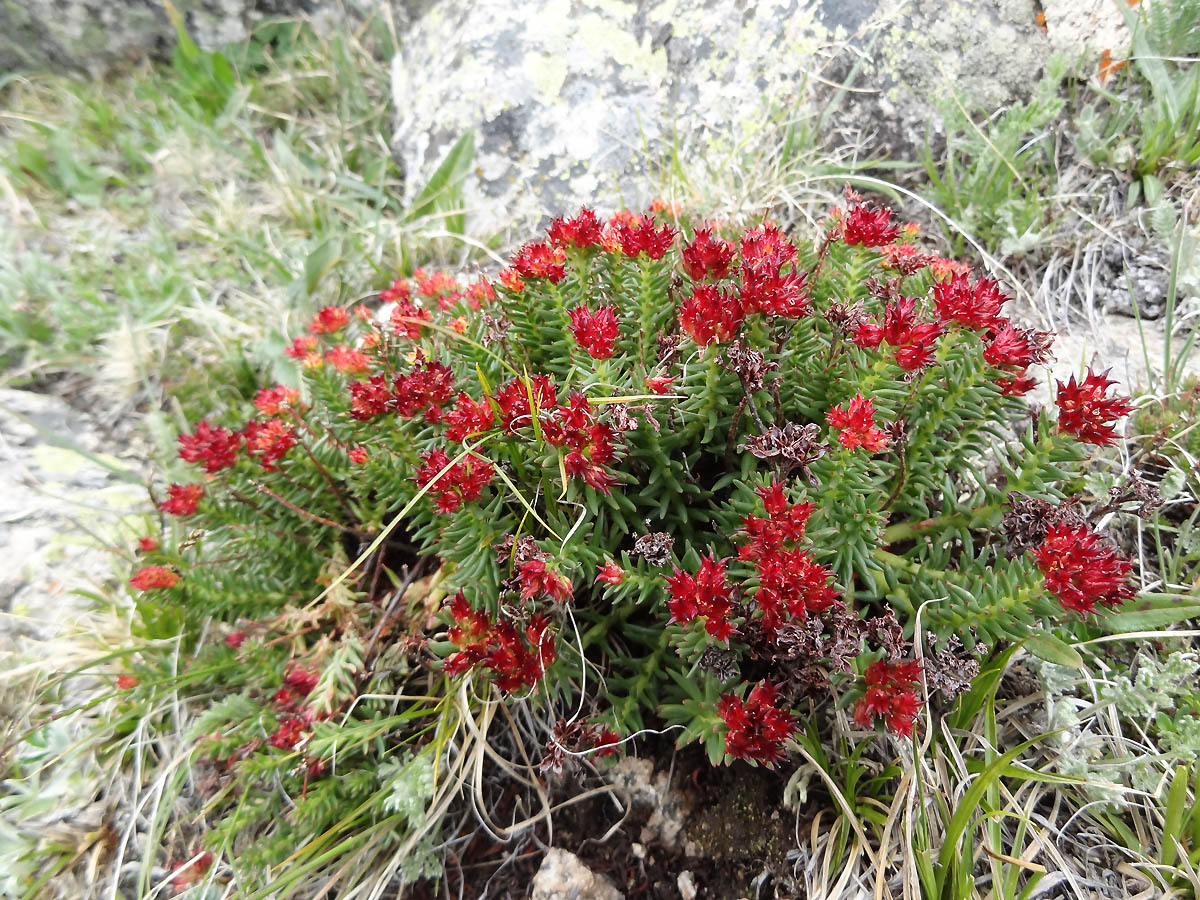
[725, 468]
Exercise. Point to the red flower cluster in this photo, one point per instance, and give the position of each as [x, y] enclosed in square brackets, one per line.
[274, 401]
[857, 425]
[1085, 412]
[467, 418]
[582, 231]
[301, 347]
[588, 442]
[890, 695]
[358, 455]
[212, 447]
[462, 483]
[348, 360]
[186, 873]
[514, 400]
[518, 659]
[127, 682]
[301, 680]
[757, 728]
[641, 236]
[511, 279]
[269, 441]
[434, 284]
[974, 306]
[710, 315]
[790, 581]
[289, 733]
[914, 340]
[766, 287]
[1082, 569]
[660, 384]
[370, 398]
[610, 573]
[541, 260]
[706, 257]
[536, 579]
[868, 227]
[149, 577]
[182, 499]
[423, 391]
[399, 289]
[148, 544]
[407, 319]
[706, 594]
[329, 320]
[596, 332]
[1015, 349]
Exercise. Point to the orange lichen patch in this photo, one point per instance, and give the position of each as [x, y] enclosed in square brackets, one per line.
[1109, 66]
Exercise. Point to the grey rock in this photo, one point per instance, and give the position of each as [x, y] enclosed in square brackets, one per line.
[60, 504]
[563, 877]
[93, 36]
[577, 101]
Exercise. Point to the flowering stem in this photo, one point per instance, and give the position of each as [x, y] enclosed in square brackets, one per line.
[329, 523]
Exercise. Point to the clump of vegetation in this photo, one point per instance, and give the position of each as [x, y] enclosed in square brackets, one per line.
[653, 475]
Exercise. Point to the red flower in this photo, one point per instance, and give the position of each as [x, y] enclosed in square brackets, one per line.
[975, 305]
[191, 871]
[610, 573]
[329, 320]
[369, 399]
[540, 260]
[900, 329]
[148, 544]
[1082, 569]
[784, 524]
[868, 227]
[890, 695]
[301, 347]
[767, 249]
[791, 584]
[1017, 348]
[399, 290]
[517, 658]
[408, 319]
[640, 236]
[462, 483]
[857, 424]
[757, 728]
[659, 384]
[302, 679]
[423, 391]
[348, 360]
[596, 332]
[537, 578]
[435, 284]
[154, 577]
[273, 401]
[707, 594]
[589, 442]
[582, 231]
[706, 257]
[214, 448]
[235, 639]
[127, 682]
[513, 399]
[467, 418]
[182, 499]
[480, 293]
[511, 279]
[710, 314]
[358, 455]
[289, 733]
[1017, 385]
[269, 441]
[1085, 412]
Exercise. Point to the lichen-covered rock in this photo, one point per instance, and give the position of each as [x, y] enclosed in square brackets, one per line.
[563, 877]
[58, 509]
[93, 36]
[576, 102]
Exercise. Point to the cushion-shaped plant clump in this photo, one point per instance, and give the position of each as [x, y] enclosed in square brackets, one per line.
[673, 474]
